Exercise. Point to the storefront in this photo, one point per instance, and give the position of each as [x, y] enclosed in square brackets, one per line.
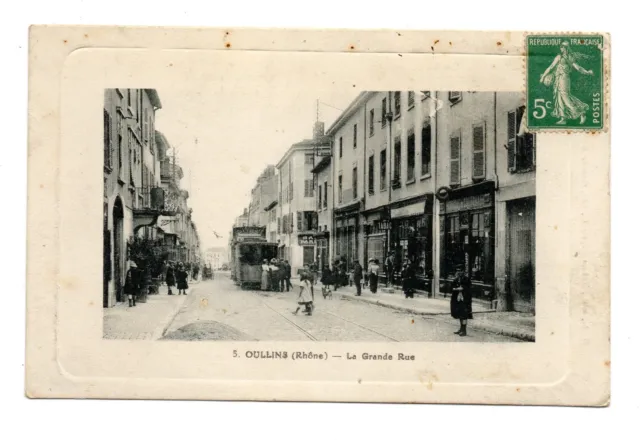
[521, 243]
[322, 249]
[346, 236]
[411, 238]
[467, 238]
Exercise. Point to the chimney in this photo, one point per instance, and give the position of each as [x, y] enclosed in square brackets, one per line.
[318, 130]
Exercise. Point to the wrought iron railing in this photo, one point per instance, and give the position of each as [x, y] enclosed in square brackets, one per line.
[158, 198]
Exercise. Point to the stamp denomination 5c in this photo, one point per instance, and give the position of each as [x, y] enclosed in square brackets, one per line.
[565, 82]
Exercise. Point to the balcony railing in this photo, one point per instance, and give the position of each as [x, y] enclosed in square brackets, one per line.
[157, 199]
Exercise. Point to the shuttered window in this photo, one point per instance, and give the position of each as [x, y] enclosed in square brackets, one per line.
[411, 156]
[354, 180]
[454, 159]
[455, 96]
[308, 188]
[383, 120]
[521, 146]
[411, 99]
[299, 221]
[479, 151]
[371, 121]
[371, 174]
[383, 170]
[511, 140]
[396, 103]
[108, 148]
[339, 189]
[326, 195]
[397, 156]
[319, 196]
[426, 149]
[355, 135]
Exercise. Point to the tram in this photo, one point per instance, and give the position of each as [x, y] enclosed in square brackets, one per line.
[248, 248]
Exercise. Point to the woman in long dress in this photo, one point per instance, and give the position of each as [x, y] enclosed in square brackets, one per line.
[264, 278]
[558, 73]
[374, 269]
[461, 302]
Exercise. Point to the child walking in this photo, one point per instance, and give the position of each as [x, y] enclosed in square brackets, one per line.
[304, 297]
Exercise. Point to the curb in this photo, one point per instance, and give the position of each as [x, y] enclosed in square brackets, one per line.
[159, 334]
[517, 334]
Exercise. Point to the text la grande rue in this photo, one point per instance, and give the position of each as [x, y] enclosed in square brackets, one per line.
[381, 357]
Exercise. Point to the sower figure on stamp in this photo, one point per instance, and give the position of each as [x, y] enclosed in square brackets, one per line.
[566, 105]
[132, 283]
[461, 301]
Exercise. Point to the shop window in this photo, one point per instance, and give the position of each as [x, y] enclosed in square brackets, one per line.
[411, 157]
[426, 150]
[521, 145]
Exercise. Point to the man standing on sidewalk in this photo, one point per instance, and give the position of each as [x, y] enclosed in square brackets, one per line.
[357, 277]
[287, 275]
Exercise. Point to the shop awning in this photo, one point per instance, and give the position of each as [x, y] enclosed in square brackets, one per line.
[408, 211]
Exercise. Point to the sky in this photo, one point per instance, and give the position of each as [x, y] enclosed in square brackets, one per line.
[224, 137]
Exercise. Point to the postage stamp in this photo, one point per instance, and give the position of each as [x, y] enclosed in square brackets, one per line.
[565, 82]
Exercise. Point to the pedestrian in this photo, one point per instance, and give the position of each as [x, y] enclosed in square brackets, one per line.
[275, 274]
[308, 274]
[287, 275]
[461, 301]
[314, 273]
[181, 278]
[408, 278]
[132, 283]
[170, 277]
[336, 275]
[389, 267]
[281, 270]
[264, 278]
[326, 280]
[305, 297]
[374, 270]
[196, 271]
[357, 277]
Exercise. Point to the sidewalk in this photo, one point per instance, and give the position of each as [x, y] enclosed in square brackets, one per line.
[145, 321]
[513, 324]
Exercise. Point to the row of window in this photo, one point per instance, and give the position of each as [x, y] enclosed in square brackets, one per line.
[521, 157]
[306, 220]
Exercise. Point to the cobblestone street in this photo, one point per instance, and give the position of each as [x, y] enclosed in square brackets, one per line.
[225, 311]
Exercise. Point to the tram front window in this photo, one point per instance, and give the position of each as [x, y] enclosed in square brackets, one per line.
[250, 254]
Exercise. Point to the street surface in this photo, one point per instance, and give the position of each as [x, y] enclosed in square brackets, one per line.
[220, 310]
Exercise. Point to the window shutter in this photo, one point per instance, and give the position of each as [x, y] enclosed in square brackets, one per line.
[478, 151]
[299, 220]
[291, 225]
[314, 221]
[455, 160]
[455, 96]
[511, 141]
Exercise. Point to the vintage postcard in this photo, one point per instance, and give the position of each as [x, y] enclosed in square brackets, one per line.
[364, 216]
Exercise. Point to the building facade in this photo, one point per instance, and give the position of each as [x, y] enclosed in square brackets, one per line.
[486, 223]
[323, 178]
[297, 220]
[131, 172]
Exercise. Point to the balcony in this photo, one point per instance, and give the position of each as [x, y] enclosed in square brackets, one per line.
[152, 203]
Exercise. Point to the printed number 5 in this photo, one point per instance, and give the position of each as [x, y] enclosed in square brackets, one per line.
[235, 353]
[539, 104]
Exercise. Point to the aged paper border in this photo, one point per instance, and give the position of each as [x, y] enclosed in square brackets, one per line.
[66, 356]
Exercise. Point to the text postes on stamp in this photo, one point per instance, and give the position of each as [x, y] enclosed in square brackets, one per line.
[565, 82]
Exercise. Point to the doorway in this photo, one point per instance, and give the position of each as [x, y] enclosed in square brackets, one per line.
[118, 251]
[522, 250]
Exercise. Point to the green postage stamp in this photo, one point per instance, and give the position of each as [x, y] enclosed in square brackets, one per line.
[565, 88]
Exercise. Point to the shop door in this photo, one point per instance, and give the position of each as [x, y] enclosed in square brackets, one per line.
[307, 255]
[522, 254]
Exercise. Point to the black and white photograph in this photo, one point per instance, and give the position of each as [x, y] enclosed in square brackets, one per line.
[333, 215]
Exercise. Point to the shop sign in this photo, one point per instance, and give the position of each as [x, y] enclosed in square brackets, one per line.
[306, 240]
[443, 193]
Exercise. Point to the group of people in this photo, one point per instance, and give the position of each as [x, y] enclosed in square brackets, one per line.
[276, 275]
[176, 276]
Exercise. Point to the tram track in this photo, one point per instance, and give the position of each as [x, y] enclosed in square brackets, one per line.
[312, 337]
